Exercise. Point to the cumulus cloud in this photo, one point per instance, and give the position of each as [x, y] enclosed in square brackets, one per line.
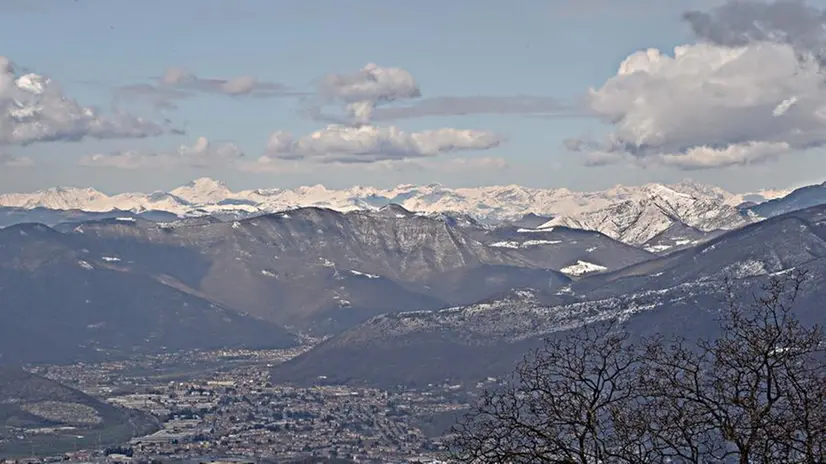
[34, 109]
[709, 105]
[696, 158]
[739, 23]
[362, 91]
[364, 96]
[11, 161]
[200, 154]
[368, 144]
[371, 83]
[377, 93]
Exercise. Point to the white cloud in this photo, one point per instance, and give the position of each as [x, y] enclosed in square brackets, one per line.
[360, 96]
[732, 155]
[362, 91]
[371, 83]
[695, 158]
[11, 161]
[34, 109]
[367, 144]
[199, 155]
[379, 93]
[709, 106]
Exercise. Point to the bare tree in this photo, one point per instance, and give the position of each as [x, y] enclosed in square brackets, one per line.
[559, 407]
[756, 394]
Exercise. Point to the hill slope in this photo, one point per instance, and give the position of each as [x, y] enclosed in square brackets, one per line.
[804, 197]
[677, 294]
[61, 302]
[316, 268]
[29, 401]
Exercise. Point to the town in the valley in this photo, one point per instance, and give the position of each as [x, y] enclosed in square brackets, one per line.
[218, 406]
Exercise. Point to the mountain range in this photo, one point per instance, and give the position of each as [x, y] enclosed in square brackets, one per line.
[122, 285]
[678, 294]
[400, 295]
[630, 214]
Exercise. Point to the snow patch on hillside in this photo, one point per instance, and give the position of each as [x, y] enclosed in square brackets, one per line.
[581, 268]
[364, 274]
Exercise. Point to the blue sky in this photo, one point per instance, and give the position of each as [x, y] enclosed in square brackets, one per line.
[460, 48]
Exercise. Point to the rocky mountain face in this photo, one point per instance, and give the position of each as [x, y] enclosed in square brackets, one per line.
[654, 210]
[125, 284]
[675, 294]
[630, 214]
[314, 267]
[377, 277]
[62, 300]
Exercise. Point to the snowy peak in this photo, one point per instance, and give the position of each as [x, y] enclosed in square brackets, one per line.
[654, 208]
[632, 214]
[203, 190]
[61, 198]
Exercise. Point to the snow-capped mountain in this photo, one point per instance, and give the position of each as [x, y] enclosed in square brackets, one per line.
[633, 214]
[60, 198]
[654, 208]
[203, 191]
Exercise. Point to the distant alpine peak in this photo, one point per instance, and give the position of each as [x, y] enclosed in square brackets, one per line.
[203, 190]
[632, 214]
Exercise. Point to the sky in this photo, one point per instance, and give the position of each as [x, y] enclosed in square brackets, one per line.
[584, 94]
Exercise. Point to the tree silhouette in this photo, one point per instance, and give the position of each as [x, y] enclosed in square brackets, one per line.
[560, 406]
[756, 394]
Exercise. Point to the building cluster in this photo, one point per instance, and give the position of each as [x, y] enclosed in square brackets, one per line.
[237, 412]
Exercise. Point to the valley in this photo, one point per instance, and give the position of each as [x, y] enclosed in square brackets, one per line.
[383, 302]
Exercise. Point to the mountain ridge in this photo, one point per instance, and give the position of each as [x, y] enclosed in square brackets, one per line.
[309, 264]
[697, 205]
[676, 294]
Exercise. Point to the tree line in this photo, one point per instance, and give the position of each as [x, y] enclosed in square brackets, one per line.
[755, 394]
